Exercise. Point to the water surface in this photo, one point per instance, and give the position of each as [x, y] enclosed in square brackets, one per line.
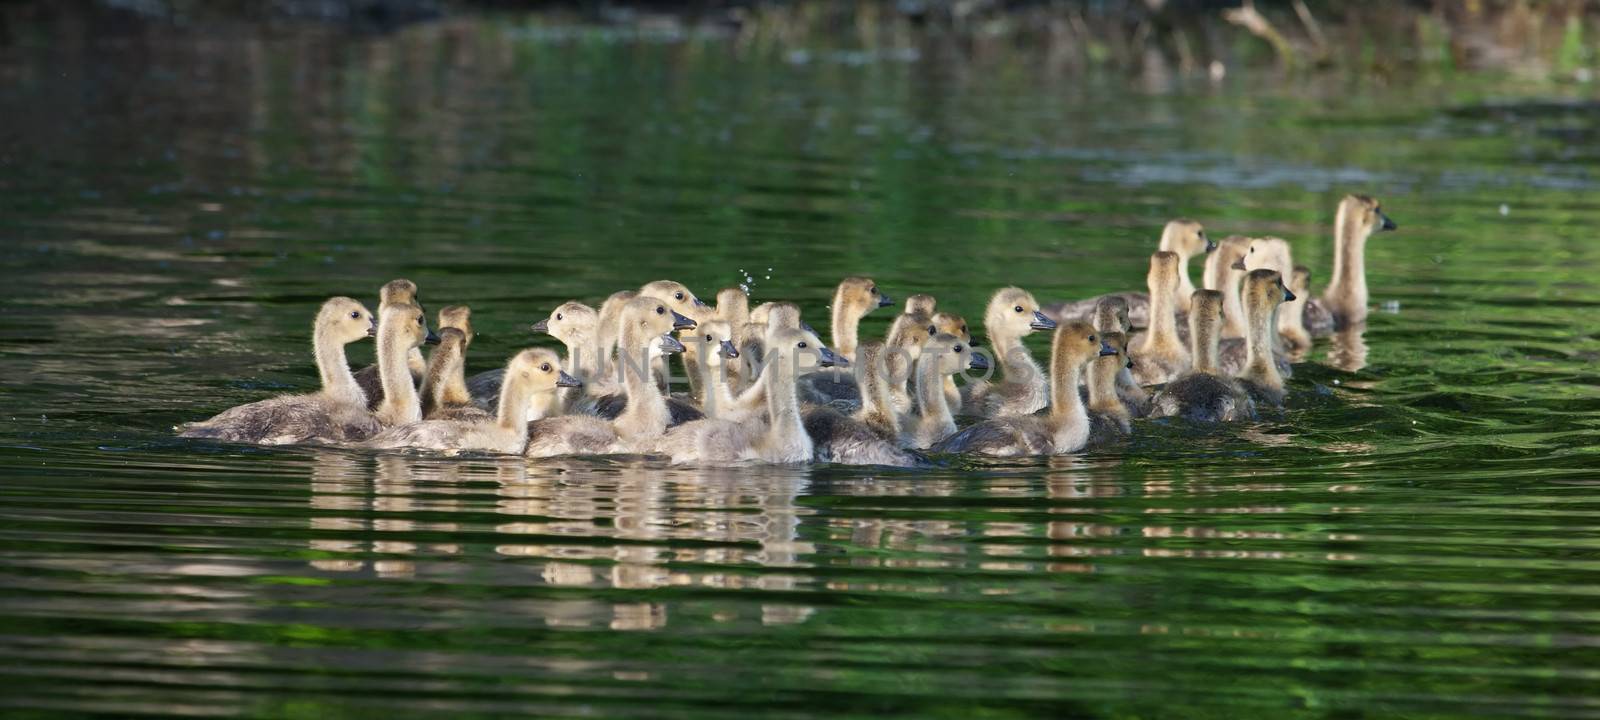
[1414, 536]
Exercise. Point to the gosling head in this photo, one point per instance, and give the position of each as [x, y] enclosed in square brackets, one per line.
[651, 322]
[947, 322]
[1164, 270]
[1077, 343]
[1014, 311]
[1120, 358]
[713, 342]
[572, 322]
[733, 305]
[399, 291]
[954, 354]
[920, 303]
[458, 317]
[541, 369]
[1265, 288]
[803, 349]
[785, 316]
[409, 326]
[909, 332]
[1268, 252]
[1111, 314]
[1226, 260]
[346, 320]
[859, 296]
[1186, 238]
[677, 297]
[1363, 216]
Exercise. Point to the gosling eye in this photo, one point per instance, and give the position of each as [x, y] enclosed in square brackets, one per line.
[421, 321]
[933, 330]
[1017, 308]
[873, 289]
[677, 295]
[708, 338]
[957, 349]
[558, 316]
[802, 345]
[1091, 338]
[544, 368]
[355, 315]
[660, 310]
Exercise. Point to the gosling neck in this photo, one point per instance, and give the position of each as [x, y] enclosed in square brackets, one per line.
[583, 356]
[783, 407]
[1259, 363]
[400, 405]
[846, 325]
[715, 396]
[1103, 385]
[453, 391]
[875, 401]
[934, 406]
[1163, 316]
[1204, 341]
[1349, 263]
[516, 399]
[1232, 306]
[1066, 373]
[337, 381]
[646, 414]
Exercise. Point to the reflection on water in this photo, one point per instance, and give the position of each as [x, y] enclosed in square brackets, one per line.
[1410, 537]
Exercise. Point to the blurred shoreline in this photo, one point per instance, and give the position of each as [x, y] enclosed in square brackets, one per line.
[1543, 41]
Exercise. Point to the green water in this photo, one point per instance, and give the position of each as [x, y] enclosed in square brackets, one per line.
[1416, 536]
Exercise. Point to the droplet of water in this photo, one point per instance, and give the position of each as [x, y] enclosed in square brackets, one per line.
[1505, 209]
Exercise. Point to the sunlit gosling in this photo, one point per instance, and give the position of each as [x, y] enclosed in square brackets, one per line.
[1184, 238]
[336, 413]
[531, 380]
[1204, 394]
[1224, 271]
[1012, 314]
[1064, 429]
[577, 327]
[1161, 354]
[1274, 254]
[942, 357]
[395, 292]
[733, 308]
[715, 355]
[869, 436]
[782, 437]
[1109, 418]
[1111, 315]
[444, 391]
[1358, 218]
[852, 300]
[645, 327]
[1263, 292]
[752, 399]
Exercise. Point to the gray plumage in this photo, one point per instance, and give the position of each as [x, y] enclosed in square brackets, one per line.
[839, 438]
[291, 420]
[1203, 397]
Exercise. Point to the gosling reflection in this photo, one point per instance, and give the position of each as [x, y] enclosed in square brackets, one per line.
[362, 504]
[1348, 351]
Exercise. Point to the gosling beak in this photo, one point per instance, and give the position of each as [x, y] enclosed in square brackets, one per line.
[372, 329]
[729, 351]
[1211, 245]
[1106, 349]
[829, 358]
[807, 327]
[1288, 295]
[670, 345]
[884, 300]
[1385, 223]
[680, 322]
[1042, 321]
[565, 380]
[432, 338]
[979, 361]
[1239, 264]
[700, 303]
[543, 326]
